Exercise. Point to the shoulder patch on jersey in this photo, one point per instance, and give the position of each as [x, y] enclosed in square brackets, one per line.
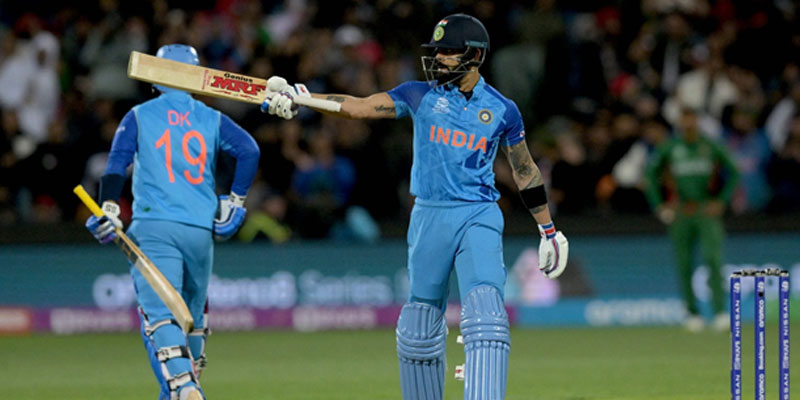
[485, 116]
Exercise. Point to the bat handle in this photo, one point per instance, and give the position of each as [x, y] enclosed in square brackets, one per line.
[326, 105]
[88, 201]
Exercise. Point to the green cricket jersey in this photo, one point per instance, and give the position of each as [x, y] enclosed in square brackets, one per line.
[693, 166]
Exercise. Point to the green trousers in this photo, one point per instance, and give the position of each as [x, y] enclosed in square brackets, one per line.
[686, 232]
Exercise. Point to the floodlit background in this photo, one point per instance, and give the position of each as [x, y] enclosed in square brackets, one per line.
[599, 84]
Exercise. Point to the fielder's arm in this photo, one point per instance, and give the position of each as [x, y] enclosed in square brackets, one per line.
[376, 106]
[527, 176]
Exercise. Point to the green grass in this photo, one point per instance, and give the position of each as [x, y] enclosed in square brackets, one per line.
[552, 364]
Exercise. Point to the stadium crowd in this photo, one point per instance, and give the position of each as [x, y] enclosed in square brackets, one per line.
[600, 85]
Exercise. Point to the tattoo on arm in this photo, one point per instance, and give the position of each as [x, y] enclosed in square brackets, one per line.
[338, 99]
[538, 209]
[384, 109]
[525, 171]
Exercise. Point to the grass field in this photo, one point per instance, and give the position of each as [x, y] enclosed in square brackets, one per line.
[552, 364]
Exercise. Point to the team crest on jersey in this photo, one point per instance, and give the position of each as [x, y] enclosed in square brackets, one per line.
[442, 106]
[485, 116]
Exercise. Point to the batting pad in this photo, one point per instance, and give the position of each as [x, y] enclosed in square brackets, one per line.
[169, 356]
[421, 335]
[484, 326]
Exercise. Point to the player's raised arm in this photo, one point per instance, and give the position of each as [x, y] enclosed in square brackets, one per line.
[378, 105]
[280, 101]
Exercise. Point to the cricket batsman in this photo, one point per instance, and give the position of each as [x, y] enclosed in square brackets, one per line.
[459, 123]
[173, 142]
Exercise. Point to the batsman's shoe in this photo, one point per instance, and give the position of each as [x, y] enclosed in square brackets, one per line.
[694, 324]
[721, 323]
[192, 394]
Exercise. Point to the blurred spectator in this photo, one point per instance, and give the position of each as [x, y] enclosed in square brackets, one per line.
[671, 55]
[628, 172]
[780, 120]
[16, 68]
[707, 89]
[785, 172]
[572, 178]
[624, 133]
[106, 52]
[322, 185]
[266, 215]
[750, 150]
[539, 30]
[9, 173]
[42, 93]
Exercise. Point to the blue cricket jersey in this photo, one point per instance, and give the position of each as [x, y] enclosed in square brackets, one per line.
[455, 139]
[173, 142]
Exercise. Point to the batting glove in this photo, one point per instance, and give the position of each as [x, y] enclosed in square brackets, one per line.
[553, 251]
[280, 97]
[104, 228]
[230, 216]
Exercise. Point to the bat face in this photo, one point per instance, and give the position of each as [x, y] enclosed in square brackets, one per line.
[233, 85]
[209, 81]
[196, 79]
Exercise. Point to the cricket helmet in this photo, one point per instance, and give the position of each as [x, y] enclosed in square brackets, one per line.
[177, 52]
[455, 32]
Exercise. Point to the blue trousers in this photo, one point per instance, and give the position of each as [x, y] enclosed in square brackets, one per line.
[184, 254]
[460, 235]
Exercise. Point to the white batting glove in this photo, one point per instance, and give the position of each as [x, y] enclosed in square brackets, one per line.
[553, 251]
[276, 84]
[280, 97]
[111, 210]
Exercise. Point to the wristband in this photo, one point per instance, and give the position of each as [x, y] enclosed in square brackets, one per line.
[549, 230]
[111, 186]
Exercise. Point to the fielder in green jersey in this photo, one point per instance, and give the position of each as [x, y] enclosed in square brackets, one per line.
[700, 177]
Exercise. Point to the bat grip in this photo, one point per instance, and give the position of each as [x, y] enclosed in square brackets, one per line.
[320, 104]
[88, 201]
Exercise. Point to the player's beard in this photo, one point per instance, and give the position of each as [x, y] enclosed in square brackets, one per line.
[438, 74]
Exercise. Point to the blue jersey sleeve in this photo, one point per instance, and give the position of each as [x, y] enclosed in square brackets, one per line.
[238, 143]
[407, 97]
[124, 145]
[120, 157]
[514, 131]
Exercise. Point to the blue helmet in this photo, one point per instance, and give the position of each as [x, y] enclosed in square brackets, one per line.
[180, 53]
[458, 32]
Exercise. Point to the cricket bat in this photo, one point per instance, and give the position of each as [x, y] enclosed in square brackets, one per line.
[209, 81]
[154, 277]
